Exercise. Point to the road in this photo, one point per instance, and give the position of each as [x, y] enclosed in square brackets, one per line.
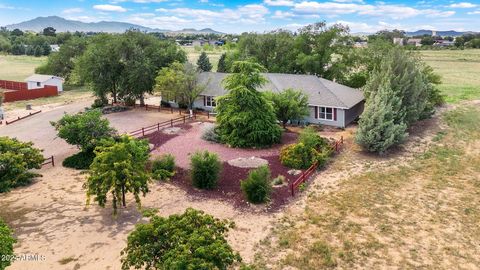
[38, 129]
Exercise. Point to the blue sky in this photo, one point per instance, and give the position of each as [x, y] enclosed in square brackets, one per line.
[237, 16]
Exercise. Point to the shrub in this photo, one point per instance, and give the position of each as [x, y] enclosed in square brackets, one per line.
[16, 159]
[206, 169]
[99, 103]
[163, 167]
[210, 134]
[311, 139]
[297, 156]
[279, 180]
[192, 240]
[257, 187]
[80, 160]
[6, 246]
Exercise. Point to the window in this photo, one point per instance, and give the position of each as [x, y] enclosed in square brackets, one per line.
[210, 101]
[39, 84]
[326, 113]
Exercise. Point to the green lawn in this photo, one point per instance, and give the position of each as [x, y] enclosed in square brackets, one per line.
[18, 67]
[460, 71]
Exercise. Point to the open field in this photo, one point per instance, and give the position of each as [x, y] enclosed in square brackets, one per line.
[459, 70]
[213, 56]
[391, 212]
[18, 67]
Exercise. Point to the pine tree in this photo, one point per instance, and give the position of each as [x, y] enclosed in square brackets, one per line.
[222, 67]
[382, 123]
[203, 63]
[244, 117]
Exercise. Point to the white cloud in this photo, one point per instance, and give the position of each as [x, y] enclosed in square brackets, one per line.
[110, 8]
[474, 12]
[279, 3]
[72, 10]
[282, 14]
[463, 5]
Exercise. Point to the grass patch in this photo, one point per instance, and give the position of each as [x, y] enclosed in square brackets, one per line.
[459, 71]
[421, 215]
[19, 67]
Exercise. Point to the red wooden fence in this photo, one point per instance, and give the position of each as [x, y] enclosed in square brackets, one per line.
[16, 91]
[50, 160]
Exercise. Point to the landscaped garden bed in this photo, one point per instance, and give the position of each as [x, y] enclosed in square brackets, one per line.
[189, 140]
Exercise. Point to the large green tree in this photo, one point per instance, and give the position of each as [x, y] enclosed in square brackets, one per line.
[16, 160]
[203, 62]
[289, 104]
[180, 82]
[119, 167]
[244, 117]
[192, 240]
[62, 63]
[222, 65]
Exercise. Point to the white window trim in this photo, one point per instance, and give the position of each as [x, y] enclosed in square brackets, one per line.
[326, 119]
[212, 99]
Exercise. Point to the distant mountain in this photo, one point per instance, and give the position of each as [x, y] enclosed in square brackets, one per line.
[451, 33]
[64, 25]
[195, 31]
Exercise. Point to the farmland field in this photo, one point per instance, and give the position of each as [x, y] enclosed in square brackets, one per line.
[213, 55]
[460, 70]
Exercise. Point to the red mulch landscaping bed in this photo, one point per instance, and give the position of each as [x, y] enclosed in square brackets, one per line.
[158, 138]
[228, 188]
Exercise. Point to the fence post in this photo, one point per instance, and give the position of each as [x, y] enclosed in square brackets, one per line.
[158, 126]
[171, 122]
[146, 107]
[184, 119]
[53, 161]
[292, 189]
[341, 139]
[143, 131]
[171, 109]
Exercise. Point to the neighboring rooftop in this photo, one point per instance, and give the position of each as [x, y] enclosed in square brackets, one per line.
[320, 92]
[40, 78]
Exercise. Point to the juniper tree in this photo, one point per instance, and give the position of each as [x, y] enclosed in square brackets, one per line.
[222, 65]
[382, 123]
[203, 62]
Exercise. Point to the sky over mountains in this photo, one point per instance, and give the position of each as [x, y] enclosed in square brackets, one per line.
[236, 16]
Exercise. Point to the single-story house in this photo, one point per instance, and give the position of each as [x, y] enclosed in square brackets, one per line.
[414, 41]
[37, 81]
[330, 103]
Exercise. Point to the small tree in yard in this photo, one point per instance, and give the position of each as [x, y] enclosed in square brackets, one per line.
[6, 247]
[16, 159]
[163, 167]
[378, 129]
[203, 63]
[179, 81]
[245, 118]
[257, 187]
[84, 130]
[205, 169]
[222, 65]
[289, 105]
[119, 167]
[192, 240]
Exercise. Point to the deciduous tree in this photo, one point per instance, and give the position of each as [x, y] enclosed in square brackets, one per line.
[192, 240]
[119, 167]
[289, 104]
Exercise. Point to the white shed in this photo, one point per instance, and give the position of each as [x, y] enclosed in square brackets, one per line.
[39, 81]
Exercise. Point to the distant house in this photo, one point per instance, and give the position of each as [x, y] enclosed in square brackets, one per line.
[54, 48]
[330, 103]
[360, 44]
[37, 81]
[199, 42]
[414, 41]
[398, 41]
[443, 43]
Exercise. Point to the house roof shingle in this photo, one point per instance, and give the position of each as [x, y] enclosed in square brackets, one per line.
[320, 92]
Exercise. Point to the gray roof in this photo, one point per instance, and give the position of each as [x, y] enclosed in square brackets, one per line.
[320, 92]
[41, 78]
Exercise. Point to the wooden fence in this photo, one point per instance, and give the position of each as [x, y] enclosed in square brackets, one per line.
[169, 123]
[50, 160]
[22, 117]
[149, 107]
[16, 91]
[336, 147]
